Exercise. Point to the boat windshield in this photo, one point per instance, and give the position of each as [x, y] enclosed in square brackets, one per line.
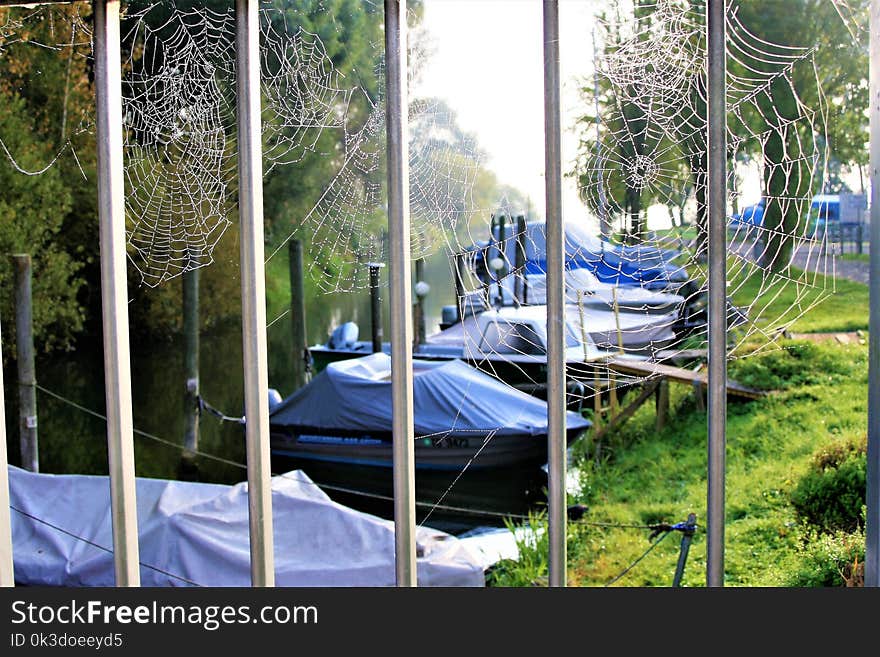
[512, 338]
[521, 338]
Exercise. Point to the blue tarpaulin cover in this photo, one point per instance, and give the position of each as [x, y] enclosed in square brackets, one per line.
[198, 534]
[449, 396]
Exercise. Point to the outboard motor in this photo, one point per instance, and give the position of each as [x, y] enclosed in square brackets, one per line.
[274, 398]
[344, 336]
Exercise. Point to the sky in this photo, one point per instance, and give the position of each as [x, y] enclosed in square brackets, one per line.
[488, 63]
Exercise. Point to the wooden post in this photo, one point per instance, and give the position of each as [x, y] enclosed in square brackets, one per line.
[662, 403]
[191, 355]
[188, 466]
[27, 383]
[375, 307]
[459, 282]
[419, 306]
[519, 261]
[299, 335]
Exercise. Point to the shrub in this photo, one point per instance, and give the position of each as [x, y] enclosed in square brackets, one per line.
[831, 495]
[835, 559]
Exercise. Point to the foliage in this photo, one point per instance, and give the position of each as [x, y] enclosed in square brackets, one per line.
[838, 75]
[829, 560]
[532, 543]
[32, 212]
[830, 497]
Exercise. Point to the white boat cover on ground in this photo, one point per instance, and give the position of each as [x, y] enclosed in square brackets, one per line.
[197, 534]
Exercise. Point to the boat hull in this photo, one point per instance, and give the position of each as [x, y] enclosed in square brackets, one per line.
[450, 453]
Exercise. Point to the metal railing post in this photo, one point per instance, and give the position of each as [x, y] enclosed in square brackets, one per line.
[114, 291]
[872, 529]
[400, 292]
[556, 447]
[253, 291]
[717, 238]
[7, 576]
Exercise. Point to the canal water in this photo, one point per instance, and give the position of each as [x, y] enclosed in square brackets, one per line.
[72, 433]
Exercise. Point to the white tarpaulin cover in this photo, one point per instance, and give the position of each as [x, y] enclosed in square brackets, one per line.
[197, 534]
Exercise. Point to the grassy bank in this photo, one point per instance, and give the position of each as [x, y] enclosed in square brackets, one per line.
[777, 450]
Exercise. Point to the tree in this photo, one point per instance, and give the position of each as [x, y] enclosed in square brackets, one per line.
[790, 126]
[32, 211]
[45, 99]
[642, 155]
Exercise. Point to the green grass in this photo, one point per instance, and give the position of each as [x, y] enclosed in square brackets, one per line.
[647, 476]
[856, 257]
[804, 303]
[801, 302]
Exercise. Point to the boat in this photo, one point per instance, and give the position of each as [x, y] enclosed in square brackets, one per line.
[463, 418]
[197, 534]
[520, 246]
[510, 344]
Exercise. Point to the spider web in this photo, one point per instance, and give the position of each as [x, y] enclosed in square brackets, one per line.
[640, 298]
[181, 136]
[62, 29]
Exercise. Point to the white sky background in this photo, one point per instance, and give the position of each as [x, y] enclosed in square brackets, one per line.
[487, 61]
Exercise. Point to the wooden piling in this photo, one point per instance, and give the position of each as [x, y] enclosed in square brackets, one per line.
[419, 305]
[191, 358]
[662, 404]
[375, 307]
[27, 383]
[299, 335]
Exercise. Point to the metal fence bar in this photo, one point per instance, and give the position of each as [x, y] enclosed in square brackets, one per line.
[872, 529]
[253, 291]
[717, 237]
[7, 577]
[400, 292]
[114, 291]
[556, 512]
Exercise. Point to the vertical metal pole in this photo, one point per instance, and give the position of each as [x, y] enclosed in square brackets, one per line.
[872, 529]
[191, 359]
[299, 334]
[717, 376]
[253, 290]
[27, 379]
[400, 292]
[556, 446]
[7, 577]
[114, 291]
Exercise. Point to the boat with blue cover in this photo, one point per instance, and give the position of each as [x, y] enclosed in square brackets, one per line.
[463, 417]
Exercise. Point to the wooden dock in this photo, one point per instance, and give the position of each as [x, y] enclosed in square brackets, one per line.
[655, 383]
[647, 369]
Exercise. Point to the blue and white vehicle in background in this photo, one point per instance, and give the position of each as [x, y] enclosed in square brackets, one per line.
[644, 265]
[826, 212]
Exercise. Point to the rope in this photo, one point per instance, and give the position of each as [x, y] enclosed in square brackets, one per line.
[633, 564]
[203, 405]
